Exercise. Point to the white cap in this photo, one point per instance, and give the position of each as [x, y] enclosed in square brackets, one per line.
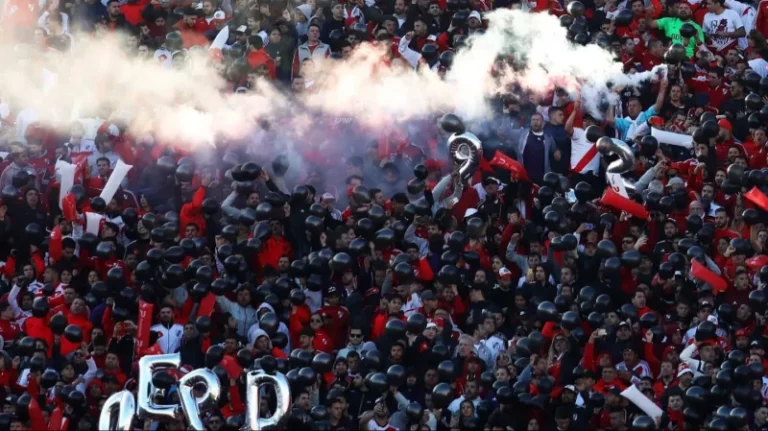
[432, 37]
[219, 15]
[470, 212]
[475, 14]
[328, 196]
[242, 29]
[570, 388]
[431, 324]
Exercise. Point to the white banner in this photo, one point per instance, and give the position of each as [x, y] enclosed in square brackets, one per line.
[65, 174]
[92, 222]
[617, 183]
[642, 402]
[114, 181]
[670, 138]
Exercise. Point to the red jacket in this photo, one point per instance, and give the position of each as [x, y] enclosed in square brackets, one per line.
[338, 329]
[298, 320]
[761, 24]
[80, 320]
[322, 342]
[260, 57]
[272, 250]
[191, 212]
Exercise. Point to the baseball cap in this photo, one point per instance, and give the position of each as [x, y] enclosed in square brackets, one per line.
[682, 369]
[431, 324]
[675, 181]
[725, 124]
[741, 333]
[428, 295]
[570, 388]
[241, 29]
[656, 186]
[328, 196]
[219, 15]
[470, 212]
[756, 343]
[505, 273]
[475, 14]
[333, 291]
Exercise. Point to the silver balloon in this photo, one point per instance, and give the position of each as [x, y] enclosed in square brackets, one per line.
[117, 413]
[193, 406]
[146, 390]
[466, 151]
[254, 380]
[610, 146]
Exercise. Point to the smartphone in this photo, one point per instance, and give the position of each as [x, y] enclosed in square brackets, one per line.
[602, 332]
[530, 273]
[590, 226]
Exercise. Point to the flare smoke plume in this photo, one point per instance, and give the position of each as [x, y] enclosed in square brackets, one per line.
[189, 106]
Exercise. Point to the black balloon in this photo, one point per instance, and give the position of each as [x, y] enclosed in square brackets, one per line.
[442, 395]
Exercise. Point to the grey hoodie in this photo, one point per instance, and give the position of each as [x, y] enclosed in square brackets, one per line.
[303, 27]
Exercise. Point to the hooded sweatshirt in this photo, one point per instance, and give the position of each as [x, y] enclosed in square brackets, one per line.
[303, 27]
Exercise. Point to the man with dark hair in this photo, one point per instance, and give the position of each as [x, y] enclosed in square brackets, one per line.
[312, 49]
[533, 148]
[723, 27]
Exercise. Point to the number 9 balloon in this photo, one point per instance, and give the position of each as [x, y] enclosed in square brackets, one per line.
[464, 147]
[610, 146]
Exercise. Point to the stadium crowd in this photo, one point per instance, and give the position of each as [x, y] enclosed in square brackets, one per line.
[393, 288]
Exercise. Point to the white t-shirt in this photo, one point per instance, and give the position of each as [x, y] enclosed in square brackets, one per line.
[579, 148]
[760, 66]
[373, 426]
[728, 21]
[748, 16]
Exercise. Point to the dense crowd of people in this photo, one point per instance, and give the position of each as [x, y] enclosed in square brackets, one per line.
[548, 283]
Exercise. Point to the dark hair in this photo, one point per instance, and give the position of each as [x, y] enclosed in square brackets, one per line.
[353, 177]
[256, 41]
[355, 161]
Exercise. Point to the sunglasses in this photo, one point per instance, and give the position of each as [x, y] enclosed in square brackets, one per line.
[355, 335]
[627, 241]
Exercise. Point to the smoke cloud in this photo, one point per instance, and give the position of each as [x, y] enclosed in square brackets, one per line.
[192, 105]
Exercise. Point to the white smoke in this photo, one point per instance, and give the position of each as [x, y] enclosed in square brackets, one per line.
[192, 105]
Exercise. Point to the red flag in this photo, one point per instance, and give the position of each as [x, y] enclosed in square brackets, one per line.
[57, 421]
[206, 305]
[758, 198]
[54, 245]
[516, 170]
[615, 200]
[36, 415]
[145, 321]
[69, 207]
[706, 275]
